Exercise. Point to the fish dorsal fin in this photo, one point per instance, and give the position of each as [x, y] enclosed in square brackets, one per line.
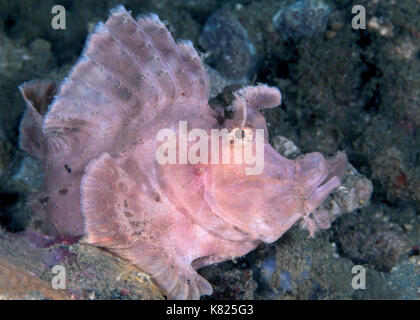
[129, 69]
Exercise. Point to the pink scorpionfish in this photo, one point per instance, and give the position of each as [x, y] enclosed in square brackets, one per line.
[98, 141]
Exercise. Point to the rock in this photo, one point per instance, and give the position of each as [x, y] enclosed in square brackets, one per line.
[406, 276]
[354, 193]
[286, 147]
[230, 49]
[218, 83]
[12, 57]
[368, 238]
[302, 18]
[19, 284]
[5, 150]
[29, 176]
[91, 273]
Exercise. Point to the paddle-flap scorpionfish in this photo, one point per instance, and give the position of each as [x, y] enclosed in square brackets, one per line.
[98, 136]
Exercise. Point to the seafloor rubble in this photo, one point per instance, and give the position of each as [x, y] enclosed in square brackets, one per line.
[352, 90]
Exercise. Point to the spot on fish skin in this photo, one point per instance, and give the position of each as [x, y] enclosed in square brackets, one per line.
[124, 93]
[156, 196]
[136, 81]
[122, 186]
[67, 167]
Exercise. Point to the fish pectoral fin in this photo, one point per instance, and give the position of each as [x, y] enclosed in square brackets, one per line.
[123, 218]
[110, 204]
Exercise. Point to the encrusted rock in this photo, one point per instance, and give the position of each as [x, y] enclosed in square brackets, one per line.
[302, 18]
[227, 43]
[90, 273]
